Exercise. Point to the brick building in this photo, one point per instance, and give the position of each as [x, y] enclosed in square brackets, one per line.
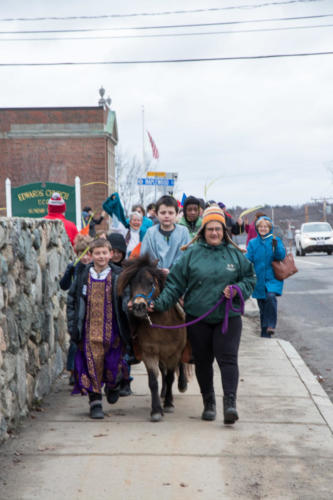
[58, 144]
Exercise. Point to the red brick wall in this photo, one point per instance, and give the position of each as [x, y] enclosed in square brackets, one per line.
[55, 159]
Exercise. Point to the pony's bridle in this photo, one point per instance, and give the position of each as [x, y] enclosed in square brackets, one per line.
[146, 297]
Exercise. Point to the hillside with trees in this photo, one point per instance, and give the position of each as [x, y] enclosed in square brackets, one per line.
[283, 215]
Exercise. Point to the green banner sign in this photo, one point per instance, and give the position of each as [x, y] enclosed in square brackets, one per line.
[30, 200]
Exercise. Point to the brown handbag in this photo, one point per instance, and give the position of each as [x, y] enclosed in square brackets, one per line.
[285, 268]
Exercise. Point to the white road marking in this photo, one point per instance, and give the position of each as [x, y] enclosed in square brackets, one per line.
[303, 261]
[309, 292]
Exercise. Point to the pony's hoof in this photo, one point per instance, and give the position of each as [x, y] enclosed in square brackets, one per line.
[169, 409]
[156, 417]
[182, 386]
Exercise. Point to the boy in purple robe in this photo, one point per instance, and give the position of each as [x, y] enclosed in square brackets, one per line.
[98, 325]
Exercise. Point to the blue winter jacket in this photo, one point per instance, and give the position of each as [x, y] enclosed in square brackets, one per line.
[261, 253]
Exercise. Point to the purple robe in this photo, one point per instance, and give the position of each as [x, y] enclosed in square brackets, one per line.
[99, 360]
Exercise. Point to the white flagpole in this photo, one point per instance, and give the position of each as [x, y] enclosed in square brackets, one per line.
[155, 192]
[143, 136]
[156, 169]
[143, 151]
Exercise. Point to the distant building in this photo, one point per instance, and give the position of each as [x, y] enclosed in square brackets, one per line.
[58, 144]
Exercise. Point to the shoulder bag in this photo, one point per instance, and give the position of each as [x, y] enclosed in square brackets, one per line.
[285, 268]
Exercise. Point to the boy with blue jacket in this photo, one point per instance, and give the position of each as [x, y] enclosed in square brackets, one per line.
[163, 241]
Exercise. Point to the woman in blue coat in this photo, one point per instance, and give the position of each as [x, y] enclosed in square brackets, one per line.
[261, 251]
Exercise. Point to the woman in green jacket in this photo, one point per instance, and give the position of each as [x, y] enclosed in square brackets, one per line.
[203, 273]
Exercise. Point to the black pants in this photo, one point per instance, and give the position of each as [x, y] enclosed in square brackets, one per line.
[93, 396]
[208, 342]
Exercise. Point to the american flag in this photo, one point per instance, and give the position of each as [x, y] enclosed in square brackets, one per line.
[156, 154]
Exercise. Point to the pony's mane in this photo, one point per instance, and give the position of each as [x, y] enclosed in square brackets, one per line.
[132, 266]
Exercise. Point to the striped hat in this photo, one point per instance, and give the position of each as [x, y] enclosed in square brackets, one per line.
[56, 204]
[212, 213]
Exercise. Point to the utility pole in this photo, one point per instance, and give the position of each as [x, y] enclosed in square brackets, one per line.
[324, 201]
[324, 210]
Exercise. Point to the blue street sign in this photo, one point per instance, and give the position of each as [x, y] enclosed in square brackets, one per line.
[155, 181]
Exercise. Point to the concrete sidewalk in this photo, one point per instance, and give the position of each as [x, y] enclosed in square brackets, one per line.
[281, 448]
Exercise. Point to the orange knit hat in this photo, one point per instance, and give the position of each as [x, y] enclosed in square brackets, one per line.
[212, 213]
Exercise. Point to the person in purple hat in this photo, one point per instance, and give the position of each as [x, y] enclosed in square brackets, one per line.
[235, 227]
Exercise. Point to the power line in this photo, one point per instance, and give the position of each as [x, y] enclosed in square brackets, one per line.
[128, 28]
[163, 61]
[163, 35]
[163, 13]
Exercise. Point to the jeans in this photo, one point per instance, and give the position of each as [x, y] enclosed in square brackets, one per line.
[268, 313]
[208, 342]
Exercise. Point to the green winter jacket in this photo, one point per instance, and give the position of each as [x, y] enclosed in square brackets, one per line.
[202, 273]
[193, 228]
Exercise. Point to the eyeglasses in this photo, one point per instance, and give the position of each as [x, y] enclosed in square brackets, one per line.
[216, 229]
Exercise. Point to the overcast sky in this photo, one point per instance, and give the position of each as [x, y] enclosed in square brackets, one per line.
[262, 128]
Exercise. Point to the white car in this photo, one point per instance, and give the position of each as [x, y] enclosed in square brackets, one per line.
[314, 237]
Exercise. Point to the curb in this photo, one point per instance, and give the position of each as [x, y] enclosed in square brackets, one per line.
[315, 390]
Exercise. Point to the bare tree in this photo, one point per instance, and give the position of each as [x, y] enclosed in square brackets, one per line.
[128, 170]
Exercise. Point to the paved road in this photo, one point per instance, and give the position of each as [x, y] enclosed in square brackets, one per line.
[305, 316]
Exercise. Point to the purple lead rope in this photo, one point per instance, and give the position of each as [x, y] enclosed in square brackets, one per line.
[228, 306]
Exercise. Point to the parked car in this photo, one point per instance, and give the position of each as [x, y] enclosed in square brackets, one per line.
[314, 237]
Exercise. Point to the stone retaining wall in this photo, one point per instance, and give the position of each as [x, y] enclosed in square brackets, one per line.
[33, 341]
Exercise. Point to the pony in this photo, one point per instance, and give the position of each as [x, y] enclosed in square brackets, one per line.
[140, 282]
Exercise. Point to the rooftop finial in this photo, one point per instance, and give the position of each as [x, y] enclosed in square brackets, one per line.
[102, 101]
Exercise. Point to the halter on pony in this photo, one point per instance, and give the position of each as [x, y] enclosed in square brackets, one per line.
[146, 297]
